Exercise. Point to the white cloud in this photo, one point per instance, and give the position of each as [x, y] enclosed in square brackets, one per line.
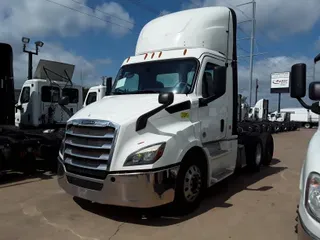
[41, 19]
[262, 71]
[83, 67]
[275, 17]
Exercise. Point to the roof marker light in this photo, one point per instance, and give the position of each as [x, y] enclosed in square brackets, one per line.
[145, 56]
[160, 54]
[184, 52]
[128, 59]
[152, 55]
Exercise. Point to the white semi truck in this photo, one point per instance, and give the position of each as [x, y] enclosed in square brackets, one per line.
[38, 103]
[302, 116]
[167, 129]
[309, 204]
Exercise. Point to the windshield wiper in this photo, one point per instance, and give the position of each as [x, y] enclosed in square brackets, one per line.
[134, 92]
[144, 91]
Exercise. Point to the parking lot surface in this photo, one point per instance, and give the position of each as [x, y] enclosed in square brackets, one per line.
[248, 206]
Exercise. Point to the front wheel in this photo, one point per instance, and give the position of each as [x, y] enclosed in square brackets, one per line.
[190, 187]
[307, 125]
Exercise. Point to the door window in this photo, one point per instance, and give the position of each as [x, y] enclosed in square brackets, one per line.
[50, 94]
[25, 95]
[92, 97]
[210, 87]
[72, 93]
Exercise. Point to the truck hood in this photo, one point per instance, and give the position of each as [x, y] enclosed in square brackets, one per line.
[123, 108]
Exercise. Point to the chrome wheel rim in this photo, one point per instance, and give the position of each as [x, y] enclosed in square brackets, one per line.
[192, 183]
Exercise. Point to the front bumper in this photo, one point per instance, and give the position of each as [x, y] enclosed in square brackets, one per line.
[303, 232]
[139, 189]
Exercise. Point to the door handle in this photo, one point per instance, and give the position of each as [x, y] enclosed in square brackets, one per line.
[221, 125]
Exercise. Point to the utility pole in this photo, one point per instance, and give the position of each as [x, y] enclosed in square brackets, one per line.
[38, 44]
[257, 86]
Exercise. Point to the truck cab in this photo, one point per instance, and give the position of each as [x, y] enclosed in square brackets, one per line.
[309, 203]
[167, 130]
[94, 94]
[38, 103]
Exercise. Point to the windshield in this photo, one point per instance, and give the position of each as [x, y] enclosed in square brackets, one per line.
[175, 76]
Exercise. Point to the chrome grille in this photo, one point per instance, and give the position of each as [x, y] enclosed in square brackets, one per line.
[88, 147]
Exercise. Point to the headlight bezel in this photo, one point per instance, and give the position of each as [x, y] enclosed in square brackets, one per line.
[312, 177]
[157, 154]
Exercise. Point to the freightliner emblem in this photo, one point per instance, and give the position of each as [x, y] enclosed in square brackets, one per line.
[88, 122]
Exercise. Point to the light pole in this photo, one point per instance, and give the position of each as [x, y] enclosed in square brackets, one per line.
[38, 44]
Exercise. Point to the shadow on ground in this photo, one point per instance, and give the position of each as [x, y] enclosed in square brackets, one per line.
[216, 196]
[14, 178]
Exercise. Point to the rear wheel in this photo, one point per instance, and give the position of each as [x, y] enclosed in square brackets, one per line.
[190, 187]
[307, 125]
[254, 154]
[267, 148]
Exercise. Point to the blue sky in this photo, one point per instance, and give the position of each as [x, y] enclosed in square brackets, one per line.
[288, 30]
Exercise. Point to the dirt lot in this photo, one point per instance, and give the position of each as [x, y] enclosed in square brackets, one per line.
[259, 206]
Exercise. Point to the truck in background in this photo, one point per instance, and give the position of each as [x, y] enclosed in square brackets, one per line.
[309, 205]
[168, 129]
[21, 147]
[96, 93]
[301, 116]
[38, 103]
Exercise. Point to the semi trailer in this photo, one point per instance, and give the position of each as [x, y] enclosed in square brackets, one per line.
[168, 126]
[309, 204]
[21, 146]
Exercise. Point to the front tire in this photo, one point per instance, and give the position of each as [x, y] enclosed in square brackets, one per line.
[190, 187]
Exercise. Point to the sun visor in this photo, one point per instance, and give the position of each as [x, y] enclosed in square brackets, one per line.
[55, 70]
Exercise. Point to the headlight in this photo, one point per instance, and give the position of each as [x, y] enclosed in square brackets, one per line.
[147, 155]
[313, 195]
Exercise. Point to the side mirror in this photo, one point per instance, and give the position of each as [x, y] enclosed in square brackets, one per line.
[298, 79]
[314, 91]
[108, 85]
[316, 59]
[166, 98]
[64, 101]
[19, 107]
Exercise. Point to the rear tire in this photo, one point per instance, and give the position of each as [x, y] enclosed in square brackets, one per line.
[267, 148]
[254, 154]
[190, 186]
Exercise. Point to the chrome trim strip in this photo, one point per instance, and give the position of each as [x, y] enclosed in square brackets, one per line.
[108, 135]
[104, 146]
[101, 167]
[104, 157]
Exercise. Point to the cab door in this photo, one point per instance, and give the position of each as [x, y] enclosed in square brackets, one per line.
[90, 98]
[213, 116]
[22, 113]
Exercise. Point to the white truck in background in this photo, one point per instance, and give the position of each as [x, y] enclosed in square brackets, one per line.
[38, 103]
[309, 204]
[168, 127]
[302, 116]
[96, 93]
